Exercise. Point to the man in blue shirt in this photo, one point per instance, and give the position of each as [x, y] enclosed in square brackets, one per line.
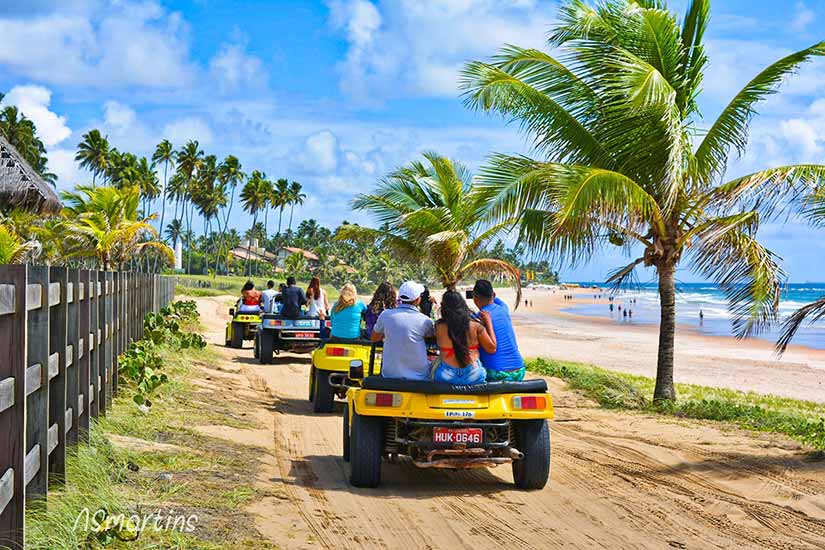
[506, 363]
[403, 330]
[268, 297]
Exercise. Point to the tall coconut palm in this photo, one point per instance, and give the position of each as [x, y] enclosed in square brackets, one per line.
[189, 159]
[106, 221]
[21, 133]
[431, 211]
[93, 154]
[230, 173]
[255, 195]
[613, 122]
[295, 197]
[147, 182]
[164, 154]
[280, 199]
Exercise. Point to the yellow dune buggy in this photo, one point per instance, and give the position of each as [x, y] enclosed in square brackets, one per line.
[440, 425]
[242, 326]
[328, 376]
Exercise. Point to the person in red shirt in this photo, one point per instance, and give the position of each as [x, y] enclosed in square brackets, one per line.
[250, 301]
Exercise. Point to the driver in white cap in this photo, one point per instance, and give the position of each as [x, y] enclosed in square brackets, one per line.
[403, 330]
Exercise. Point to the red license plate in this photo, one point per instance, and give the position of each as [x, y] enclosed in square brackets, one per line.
[305, 334]
[463, 435]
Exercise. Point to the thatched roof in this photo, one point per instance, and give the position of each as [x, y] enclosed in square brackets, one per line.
[21, 186]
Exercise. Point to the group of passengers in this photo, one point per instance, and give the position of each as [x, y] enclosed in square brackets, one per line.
[474, 347]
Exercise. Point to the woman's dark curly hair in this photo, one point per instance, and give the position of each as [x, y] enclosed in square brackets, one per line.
[457, 316]
[384, 298]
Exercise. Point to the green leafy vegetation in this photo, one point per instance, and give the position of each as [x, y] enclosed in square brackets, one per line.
[801, 420]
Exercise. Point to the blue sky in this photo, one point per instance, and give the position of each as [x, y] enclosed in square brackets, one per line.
[336, 93]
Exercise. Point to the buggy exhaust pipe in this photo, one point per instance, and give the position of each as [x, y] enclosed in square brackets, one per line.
[515, 454]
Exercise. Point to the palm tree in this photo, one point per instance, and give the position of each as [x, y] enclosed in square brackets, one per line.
[433, 211]
[230, 173]
[13, 249]
[189, 159]
[280, 198]
[255, 196]
[104, 220]
[147, 182]
[93, 154]
[295, 197]
[614, 125]
[21, 133]
[174, 231]
[296, 264]
[164, 154]
[210, 196]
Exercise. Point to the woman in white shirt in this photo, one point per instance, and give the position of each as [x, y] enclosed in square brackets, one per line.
[316, 299]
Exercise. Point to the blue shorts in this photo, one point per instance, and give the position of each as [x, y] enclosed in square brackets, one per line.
[469, 375]
[244, 308]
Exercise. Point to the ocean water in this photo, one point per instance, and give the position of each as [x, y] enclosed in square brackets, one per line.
[691, 298]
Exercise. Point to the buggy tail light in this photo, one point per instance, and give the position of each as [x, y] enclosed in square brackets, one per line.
[530, 402]
[383, 399]
[337, 352]
[273, 322]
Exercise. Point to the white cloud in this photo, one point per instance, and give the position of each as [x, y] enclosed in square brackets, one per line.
[322, 151]
[33, 102]
[63, 165]
[406, 47]
[235, 70]
[802, 18]
[116, 46]
[117, 115]
[182, 130]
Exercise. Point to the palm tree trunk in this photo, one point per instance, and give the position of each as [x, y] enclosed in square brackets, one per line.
[291, 209]
[162, 213]
[224, 243]
[667, 332]
[280, 215]
[249, 244]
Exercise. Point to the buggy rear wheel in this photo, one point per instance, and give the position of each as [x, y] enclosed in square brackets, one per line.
[323, 397]
[365, 449]
[237, 335]
[267, 343]
[346, 433]
[533, 439]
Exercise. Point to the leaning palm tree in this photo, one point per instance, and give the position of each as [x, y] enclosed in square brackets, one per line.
[164, 154]
[93, 153]
[295, 197]
[613, 124]
[433, 211]
[230, 173]
[189, 159]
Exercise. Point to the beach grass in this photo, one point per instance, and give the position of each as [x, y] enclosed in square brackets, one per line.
[804, 421]
[138, 463]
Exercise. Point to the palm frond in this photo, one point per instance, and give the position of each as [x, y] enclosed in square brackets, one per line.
[490, 266]
[748, 274]
[625, 277]
[730, 130]
[811, 312]
[771, 191]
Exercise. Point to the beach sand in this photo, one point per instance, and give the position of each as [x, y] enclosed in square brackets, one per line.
[750, 365]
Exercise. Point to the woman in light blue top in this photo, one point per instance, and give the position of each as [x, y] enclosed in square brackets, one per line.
[346, 314]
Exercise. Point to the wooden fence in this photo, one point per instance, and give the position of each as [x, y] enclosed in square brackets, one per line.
[61, 331]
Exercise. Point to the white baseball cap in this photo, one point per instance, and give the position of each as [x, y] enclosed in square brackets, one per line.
[410, 291]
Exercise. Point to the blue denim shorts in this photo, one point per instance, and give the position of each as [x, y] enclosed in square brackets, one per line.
[467, 376]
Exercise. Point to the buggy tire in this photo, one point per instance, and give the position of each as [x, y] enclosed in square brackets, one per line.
[346, 433]
[322, 394]
[237, 335]
[266, 344]
[533, 439]
[256, 350]
[365, 449]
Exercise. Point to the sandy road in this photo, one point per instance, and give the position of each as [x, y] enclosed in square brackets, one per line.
[618, 480]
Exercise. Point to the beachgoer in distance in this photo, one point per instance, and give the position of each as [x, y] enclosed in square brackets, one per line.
[427, 302]
[292, 298]
[268, 296]
[506, 363]
[346, 314]
[403, 330]
[250, 301]
[383, 298]
[459, 337]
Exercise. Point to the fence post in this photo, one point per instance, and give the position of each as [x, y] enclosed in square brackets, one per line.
[84, 362]
[38, 369]
[102, 358]
[117, 300]
[13, 336]
[72, 355]
[58, 303]
[109, 333]
[94, 346]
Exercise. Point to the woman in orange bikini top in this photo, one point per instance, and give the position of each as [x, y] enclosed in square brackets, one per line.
[459, 337]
